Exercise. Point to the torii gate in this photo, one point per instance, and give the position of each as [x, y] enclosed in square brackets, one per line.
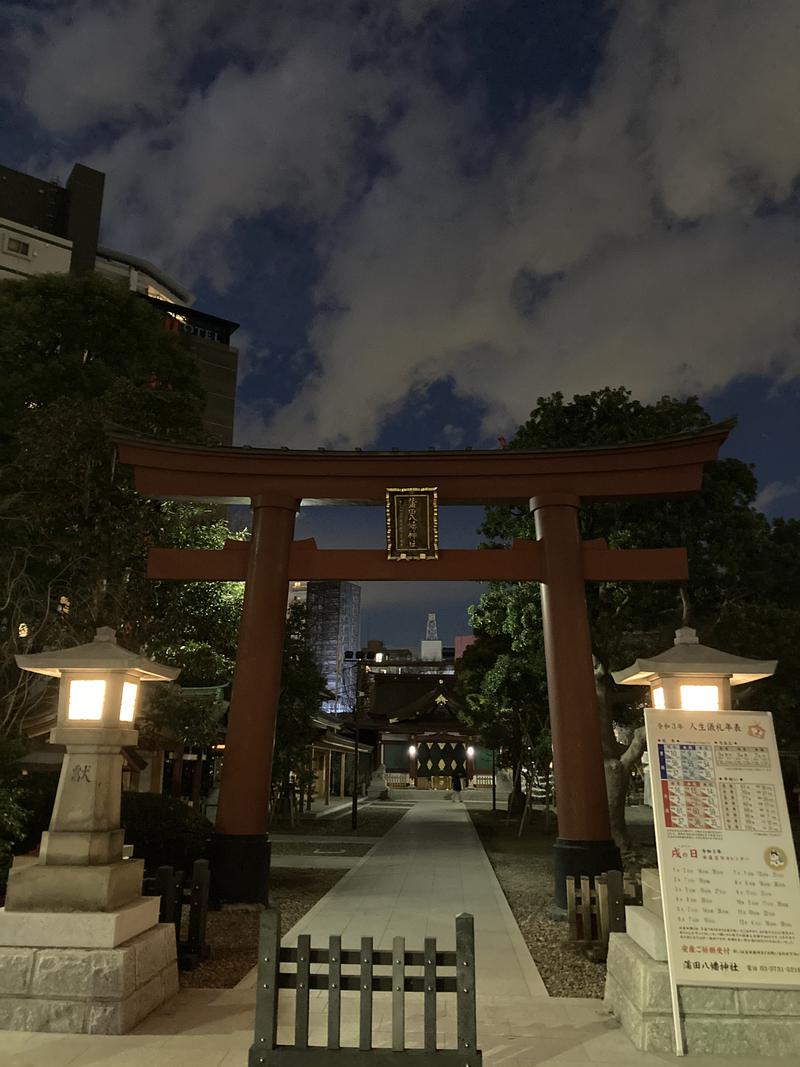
[553, 483]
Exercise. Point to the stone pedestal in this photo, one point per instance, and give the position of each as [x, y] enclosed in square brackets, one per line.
[87, 990]
[81, 950]
[728, 1022]
[723, 1020]
[68, 887]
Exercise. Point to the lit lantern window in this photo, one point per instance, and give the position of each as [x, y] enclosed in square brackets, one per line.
[700, 697]
[128, 703]
[86, 697]
[658, 697]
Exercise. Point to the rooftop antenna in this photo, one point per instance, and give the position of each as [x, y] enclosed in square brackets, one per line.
[431, 630]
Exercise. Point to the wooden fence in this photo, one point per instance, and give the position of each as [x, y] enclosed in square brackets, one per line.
[176, 892]
[595, 911]
[272, 977]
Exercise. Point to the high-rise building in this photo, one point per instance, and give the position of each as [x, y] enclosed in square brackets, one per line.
[334, 628]
[47, 228]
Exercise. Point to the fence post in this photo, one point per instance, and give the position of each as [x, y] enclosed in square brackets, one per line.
[165, 888]
[466, 1025]
[586, 908]
[198, 911]
[616, 902]
[301, 992]
[398, 994]
[365, 1006]
[430, 994]
[601, 891]
[269, 951]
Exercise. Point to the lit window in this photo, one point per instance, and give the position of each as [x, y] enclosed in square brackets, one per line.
[128, 702]
[658, 698]
[63, 606]
[86, 699]
[17, 247]
[22, 629]
[700, 698]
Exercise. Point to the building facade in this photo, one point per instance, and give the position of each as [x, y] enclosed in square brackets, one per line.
[334, 628]
[47, 228]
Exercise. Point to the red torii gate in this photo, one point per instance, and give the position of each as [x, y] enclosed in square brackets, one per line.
[553, 483]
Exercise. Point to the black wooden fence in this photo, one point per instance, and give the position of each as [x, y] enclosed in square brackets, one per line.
[178, 891]
[596, 910]
[266, 1052]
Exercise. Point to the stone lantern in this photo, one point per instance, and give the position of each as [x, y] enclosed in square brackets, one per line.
[80, 894]
[693, 677]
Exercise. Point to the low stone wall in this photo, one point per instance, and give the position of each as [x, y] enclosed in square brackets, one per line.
[88, 991]
[733, 1022]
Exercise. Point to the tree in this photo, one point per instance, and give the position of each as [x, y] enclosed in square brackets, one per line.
[504, 692]
[731, 549]
[79, 354]
[183, 721]
[302, 693]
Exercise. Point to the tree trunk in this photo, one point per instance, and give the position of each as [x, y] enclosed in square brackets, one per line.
[197, 781]
[177, 773]
[516, 799]
[617, 774]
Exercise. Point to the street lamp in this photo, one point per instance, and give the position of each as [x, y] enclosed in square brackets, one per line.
[691, 676]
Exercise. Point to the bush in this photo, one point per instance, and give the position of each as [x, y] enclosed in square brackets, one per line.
[37, 796]
[164, 830]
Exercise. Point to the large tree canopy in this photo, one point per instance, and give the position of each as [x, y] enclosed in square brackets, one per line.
[743, 594]
[78, 355]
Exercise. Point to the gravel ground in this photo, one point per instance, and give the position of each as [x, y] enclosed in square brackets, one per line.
[373, 821]
[524, 868]
[233, 931]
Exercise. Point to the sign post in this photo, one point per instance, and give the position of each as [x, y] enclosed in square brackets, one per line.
[726, 858]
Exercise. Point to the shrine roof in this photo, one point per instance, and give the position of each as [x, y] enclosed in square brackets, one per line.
[662, 467]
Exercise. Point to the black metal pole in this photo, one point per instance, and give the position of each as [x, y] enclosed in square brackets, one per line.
[354, 817]
[494, 784]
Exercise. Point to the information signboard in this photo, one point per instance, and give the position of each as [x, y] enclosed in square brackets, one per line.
[729, 882]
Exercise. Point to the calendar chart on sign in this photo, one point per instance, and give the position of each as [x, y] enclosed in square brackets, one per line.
[729, 880]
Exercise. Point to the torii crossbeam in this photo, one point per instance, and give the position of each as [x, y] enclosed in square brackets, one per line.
[552, 483]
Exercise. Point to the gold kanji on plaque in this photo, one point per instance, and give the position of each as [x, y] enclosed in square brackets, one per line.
[412, 523]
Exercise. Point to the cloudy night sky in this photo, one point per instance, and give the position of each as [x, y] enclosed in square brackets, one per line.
[427, 213]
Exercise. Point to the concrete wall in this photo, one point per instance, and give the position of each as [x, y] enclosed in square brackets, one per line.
[47, 254]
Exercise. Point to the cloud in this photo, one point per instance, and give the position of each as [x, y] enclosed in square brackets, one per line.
[775, 491]
[639, 235]
[640, 210]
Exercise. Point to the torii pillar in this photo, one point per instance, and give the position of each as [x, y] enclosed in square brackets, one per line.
[584, 844]
[241, 851]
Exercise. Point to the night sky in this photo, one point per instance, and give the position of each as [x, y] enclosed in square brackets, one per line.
[427, 213]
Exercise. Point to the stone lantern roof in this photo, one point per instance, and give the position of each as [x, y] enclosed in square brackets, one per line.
[101, 654]
[688, 657]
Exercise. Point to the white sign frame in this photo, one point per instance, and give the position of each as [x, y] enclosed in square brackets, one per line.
[726, 858]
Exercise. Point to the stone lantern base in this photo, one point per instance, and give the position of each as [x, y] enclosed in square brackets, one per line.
[87, 990]
[81, 951]
[726, 1020]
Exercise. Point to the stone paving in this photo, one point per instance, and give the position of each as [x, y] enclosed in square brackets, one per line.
[428, 868]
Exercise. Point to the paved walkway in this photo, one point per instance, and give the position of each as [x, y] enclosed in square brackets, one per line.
[417, 878]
